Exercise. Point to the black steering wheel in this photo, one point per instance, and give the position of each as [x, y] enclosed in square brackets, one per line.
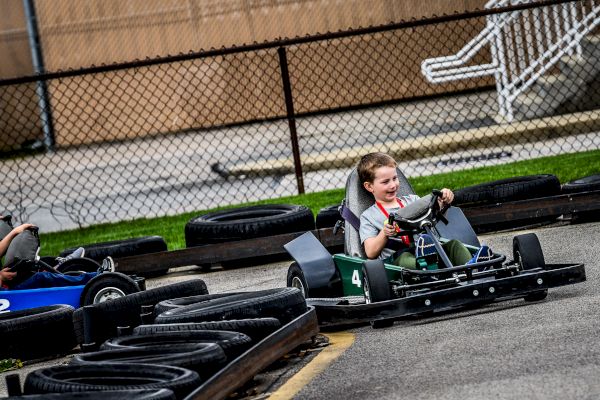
[31, 267]
[438, 213]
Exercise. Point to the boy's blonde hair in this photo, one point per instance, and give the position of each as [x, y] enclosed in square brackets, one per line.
[369, 163]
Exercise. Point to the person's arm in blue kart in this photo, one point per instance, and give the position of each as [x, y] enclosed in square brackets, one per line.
[5, 273]
[5, 242]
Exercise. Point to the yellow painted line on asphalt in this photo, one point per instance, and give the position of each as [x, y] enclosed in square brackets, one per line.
[338, 343]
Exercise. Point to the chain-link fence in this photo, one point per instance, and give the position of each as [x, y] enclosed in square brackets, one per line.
[163, 136]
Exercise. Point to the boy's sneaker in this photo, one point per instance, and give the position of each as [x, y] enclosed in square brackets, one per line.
[483, 254]
[108, 265]
[77, 253]
[424, 246]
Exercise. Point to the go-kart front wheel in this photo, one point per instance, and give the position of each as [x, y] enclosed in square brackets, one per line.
[376, 287]
[107, 286]
[527, 252]
[295, 278]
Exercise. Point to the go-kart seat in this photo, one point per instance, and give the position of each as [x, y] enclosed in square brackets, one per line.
[358, 200]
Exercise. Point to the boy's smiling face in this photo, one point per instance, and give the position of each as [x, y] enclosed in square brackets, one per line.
[385, 185]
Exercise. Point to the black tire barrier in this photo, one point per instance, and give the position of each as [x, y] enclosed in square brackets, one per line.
[140, 394]
[328, 216]
[204, 358]
[179, 302]
[124, 248]
[284, 304]
[37, 332]
[105, 318]
[248, 223]
[102, 377]
[585, 184]
[232, 343]
[510, 189]
[255, 328]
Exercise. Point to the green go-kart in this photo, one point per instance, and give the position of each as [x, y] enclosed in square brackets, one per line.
[349, 288]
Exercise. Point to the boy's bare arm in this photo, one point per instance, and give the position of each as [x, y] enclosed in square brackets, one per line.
[375, 245]
[4, 243]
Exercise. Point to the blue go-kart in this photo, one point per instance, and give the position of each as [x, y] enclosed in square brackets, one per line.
[103, 287]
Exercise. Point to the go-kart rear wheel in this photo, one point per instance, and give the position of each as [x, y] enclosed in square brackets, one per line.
[376, 287]
[107, 286]
[527, 252]
[295, 278]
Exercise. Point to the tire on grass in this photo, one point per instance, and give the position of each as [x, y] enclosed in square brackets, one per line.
[328, 216]
[585, 184]
[510, 189]
[124, 248]
[248, 223]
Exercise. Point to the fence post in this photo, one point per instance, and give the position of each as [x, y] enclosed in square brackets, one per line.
[37, 59]
[289, 106]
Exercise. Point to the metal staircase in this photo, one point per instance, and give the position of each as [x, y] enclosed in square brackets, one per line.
[527, 48]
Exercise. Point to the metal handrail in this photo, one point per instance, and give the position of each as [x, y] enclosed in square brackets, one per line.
[518, 59]
[440, 69]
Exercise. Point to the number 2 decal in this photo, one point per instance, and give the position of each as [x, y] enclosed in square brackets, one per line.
[4, 305]
[356, 278]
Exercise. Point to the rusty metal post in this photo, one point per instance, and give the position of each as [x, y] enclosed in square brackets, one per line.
[291, 117]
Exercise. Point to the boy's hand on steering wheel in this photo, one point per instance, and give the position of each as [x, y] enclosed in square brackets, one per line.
[6, 274]
[389, 230]
[446, 198]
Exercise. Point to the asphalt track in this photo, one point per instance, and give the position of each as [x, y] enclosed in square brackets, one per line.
[507, 350]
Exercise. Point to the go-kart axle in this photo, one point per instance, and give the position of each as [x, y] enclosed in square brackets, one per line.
[455, 279]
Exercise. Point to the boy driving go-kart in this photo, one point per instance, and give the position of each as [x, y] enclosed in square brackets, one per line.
[393, 275]
[377, 172]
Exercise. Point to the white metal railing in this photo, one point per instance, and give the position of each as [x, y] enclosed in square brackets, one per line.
[523, 45]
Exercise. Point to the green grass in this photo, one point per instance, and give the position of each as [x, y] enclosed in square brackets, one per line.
[566, 167]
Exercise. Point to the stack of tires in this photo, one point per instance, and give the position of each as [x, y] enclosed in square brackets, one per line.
[590, 183]
[124, 248]
[507, 190]
[171, 346]
[522, 188]
[248, 223]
